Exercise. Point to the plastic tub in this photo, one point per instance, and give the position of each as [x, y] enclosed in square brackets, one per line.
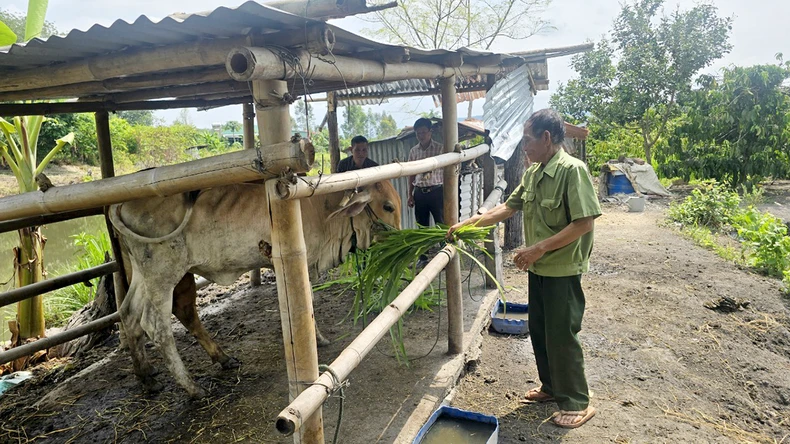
[459, 427]
[619, 183]
[510, 318]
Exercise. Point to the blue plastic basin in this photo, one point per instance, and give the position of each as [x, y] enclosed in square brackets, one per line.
[502, 322]
[486, 424]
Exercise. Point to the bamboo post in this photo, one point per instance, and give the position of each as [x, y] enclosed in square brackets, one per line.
[313, 186]
[493, 263]
[45, 286]
[248, 124]
[289, 257]
[60, 338]
[455, 303]
[16, 224]
[310, 400]
[108, 170]
[331, 124]
[225, 169]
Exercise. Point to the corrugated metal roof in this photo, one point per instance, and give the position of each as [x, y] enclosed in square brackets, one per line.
[222, 22]
[508, 105]
[233, 25]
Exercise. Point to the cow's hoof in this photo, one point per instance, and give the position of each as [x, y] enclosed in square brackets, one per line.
[151, 385]
[230, 363]
[322, 341]
[197, 392]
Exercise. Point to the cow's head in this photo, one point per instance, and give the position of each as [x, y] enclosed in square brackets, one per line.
[381, 199]
[376, 206]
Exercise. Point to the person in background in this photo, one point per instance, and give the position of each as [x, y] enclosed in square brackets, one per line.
[425, 189]
[558, 202]
[358, 158]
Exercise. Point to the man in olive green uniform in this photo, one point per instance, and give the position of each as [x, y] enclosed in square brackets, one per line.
[559, 204]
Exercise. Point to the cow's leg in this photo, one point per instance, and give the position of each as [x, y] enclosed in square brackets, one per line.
[185, 310]
[131, 312]
[156, 322]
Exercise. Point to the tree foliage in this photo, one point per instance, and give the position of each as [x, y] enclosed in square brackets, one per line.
[141, 117]
[455, 23]
[736, 128]
[634, 79]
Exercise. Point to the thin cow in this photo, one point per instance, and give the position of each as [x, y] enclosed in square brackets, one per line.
[221, 233]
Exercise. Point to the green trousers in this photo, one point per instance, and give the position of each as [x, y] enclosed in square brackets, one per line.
[556, 307]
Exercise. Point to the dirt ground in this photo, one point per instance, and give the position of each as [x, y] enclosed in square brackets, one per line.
[662, 368]
[96, 398]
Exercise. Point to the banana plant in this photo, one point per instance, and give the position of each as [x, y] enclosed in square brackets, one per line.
[34, 23]
[18, 149]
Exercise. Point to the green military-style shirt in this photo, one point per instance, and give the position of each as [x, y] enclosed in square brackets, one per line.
[551, 197]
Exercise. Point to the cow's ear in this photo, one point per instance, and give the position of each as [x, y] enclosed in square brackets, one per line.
[348, 211]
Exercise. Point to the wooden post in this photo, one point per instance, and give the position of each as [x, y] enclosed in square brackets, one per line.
[291, 418]
[289, 257]
[514, 226]
[455, 303]
[493, 263]
[331, 124]
[248, 122]
[104, 140]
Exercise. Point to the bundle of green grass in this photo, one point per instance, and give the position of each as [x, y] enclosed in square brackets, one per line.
[390, 263]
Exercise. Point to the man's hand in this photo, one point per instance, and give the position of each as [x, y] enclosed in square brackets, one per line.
[410, 202]
[526, 257]
[452, 229]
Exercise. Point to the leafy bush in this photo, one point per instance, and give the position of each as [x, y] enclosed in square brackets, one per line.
[62, 303]
[764, 237]
[712, 205]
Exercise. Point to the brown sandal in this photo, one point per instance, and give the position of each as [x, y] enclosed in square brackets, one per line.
[582, 415]
[537, 395]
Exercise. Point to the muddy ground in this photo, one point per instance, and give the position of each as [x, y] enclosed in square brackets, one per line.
[662, 368]
[96, 398]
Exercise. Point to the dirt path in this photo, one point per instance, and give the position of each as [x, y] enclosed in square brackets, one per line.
[661, 367]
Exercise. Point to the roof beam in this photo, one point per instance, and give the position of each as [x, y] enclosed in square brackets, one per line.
[203, 75]
[33, 109]
[245, 64]
[124, 63]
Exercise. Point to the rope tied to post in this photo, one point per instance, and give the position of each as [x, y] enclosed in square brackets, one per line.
[339, 386]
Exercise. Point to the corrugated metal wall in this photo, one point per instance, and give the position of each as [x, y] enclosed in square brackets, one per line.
[392, 150]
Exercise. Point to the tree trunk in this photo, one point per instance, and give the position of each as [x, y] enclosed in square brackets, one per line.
[514, 226]
[102, 305]
[469, 113]
[29, 266]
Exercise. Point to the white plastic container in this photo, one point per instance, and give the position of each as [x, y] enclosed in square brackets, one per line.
[636, 204]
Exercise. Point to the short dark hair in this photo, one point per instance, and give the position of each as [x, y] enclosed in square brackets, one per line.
[422, 122]
[358, 139]
[548, 120]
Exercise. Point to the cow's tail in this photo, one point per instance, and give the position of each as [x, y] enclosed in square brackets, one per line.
[115, 218]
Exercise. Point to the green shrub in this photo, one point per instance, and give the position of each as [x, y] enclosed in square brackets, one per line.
[712, 205]
[764, 237]
[62, 303]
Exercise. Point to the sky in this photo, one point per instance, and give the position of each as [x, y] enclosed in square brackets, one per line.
[760, 31]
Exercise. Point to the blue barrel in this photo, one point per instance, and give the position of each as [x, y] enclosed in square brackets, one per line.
[619, 183]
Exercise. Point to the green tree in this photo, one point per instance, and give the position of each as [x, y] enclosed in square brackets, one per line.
[736, 128]
[141, 117]
[356, 122]
[303, 120]
[459, 23]
[634, 81]
[232, 126]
